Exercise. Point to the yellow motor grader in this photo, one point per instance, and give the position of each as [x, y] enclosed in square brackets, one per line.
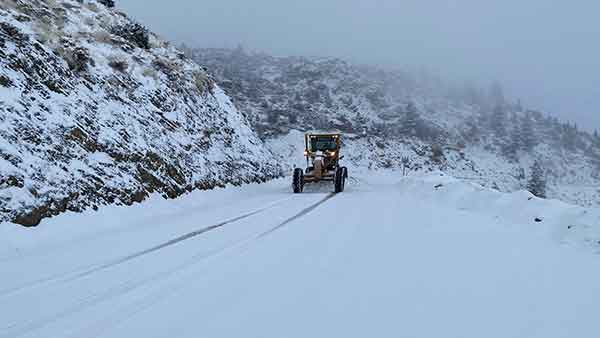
[322, 151]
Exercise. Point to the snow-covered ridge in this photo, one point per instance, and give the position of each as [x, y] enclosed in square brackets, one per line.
[472, 133]
[95, 110]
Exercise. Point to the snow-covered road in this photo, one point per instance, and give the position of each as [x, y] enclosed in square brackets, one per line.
[427, 256]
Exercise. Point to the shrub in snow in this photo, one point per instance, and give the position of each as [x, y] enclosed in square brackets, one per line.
[134, 33]
[167, 66]
[78, 58]
[151, 73]
[107, 3]
[119, 65]
[102, 37]
[202, 81]
[437, 153]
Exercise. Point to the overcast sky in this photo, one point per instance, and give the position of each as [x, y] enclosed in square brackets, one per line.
[545, 52]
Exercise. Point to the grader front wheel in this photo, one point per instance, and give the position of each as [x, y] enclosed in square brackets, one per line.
[298, 181]
[339, 179]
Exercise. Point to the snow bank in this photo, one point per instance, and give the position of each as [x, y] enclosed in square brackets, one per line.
[566, 224]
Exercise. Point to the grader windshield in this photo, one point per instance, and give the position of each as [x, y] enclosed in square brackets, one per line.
[323, 143]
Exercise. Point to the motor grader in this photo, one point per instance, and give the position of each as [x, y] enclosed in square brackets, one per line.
[322, 152]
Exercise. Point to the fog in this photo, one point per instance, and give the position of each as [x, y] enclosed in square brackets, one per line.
[545, 53]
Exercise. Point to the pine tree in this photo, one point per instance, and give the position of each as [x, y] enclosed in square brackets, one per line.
[528, 138]
[596, 139]
[410, 120]
[511, 147]
[497, 95]
[537, 181]
[472, 132]
[498, 122]
[472, 95]
[569, 137]
[519, 105]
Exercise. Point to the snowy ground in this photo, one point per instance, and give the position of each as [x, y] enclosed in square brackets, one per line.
[425, 256]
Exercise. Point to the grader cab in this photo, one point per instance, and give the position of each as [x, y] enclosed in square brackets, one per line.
[322, 152]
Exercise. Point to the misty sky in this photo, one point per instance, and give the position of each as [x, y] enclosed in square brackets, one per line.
[545, 52]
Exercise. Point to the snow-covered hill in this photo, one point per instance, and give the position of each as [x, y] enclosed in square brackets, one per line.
[387, 115]
[96, 110]
[387, 258]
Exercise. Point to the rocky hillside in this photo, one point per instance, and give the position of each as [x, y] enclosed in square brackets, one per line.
[96, 110]
[395, 118]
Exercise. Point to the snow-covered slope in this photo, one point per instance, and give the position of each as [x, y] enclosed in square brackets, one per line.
[95, 110]
[389, 257]
[388, 115]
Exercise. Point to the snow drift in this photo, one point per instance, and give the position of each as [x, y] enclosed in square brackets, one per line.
[96, 110]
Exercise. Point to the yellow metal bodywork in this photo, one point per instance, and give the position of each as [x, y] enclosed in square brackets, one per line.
[321, 163]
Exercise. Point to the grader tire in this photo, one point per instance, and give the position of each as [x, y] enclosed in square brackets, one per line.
[339, 180]
[298, 181]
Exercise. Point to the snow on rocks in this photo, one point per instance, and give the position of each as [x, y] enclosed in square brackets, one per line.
[90, 116]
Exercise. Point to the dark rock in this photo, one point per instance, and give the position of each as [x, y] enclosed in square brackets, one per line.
[107, 3]
[139, 196]
[119, 65]
[30, 219]
[5, 81]
[13, 32]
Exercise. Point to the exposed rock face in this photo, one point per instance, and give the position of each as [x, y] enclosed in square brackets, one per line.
[89, 117]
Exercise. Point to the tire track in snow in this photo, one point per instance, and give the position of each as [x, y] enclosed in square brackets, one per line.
[93, 268]
[94, 330]
[302, 213]
[121, 315]
[17, 330]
